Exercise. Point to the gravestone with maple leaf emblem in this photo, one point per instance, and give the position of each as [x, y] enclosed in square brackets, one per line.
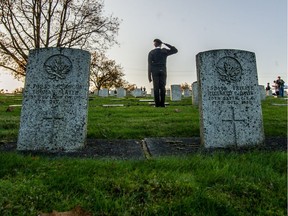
[55, 100]
[229, 99]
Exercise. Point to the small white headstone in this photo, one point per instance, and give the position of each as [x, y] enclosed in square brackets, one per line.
[187, 93]
[152, 92]
[269, 93]
[137, 93]
[262, 92]
[176, 93]
[168, 92]
[103, 92]
[195, 93]
[121, 92]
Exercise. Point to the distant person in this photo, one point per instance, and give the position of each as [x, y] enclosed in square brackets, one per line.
[157, 70]
[275, 85]
[280, 84]
[268, 88]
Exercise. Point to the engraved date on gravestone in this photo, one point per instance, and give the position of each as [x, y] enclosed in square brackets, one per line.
[57, 67]
[229, 69]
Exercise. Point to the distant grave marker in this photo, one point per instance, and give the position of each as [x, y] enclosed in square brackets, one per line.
[103, 92]
[262, 92]
[137, 93]
[229, 100]
[195, 94]
[121, 93]
[176, 93]
[187, 93]
[55, 100]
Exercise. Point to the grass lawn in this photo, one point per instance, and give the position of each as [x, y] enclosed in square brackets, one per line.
[253, 183]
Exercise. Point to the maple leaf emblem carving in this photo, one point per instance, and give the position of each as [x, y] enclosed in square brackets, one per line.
[229, 70]
[58, 67]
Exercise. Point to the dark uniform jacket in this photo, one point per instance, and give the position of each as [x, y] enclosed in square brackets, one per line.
[157, 58]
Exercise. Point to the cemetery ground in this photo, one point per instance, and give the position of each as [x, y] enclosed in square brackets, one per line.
[246, 182]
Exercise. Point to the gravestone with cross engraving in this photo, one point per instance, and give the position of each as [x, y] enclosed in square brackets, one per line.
[229, 100]
[55, 100]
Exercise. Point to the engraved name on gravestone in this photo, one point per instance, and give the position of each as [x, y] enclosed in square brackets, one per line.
[229, 100]
[55, 100]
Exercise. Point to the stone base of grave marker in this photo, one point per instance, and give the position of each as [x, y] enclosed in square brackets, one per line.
[55, 100]
[229, 100]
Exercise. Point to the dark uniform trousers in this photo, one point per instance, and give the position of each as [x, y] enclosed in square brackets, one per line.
[159, 76]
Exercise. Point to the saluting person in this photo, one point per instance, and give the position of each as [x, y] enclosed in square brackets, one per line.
[157, 70]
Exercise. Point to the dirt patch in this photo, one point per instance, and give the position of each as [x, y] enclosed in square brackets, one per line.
[147, 148]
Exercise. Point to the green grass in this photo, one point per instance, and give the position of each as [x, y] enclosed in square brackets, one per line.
[137, 120]
[252, 183]
[219, 184]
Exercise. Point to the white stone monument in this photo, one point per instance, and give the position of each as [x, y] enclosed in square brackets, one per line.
[121, 93]
[176, 93]
[195, 94]
[168, 92]
[262, 92]
[187, 93]
[103, 92]
[152, 92]
[269, 93]
[55, 100]
[229, 102]
[137, 93]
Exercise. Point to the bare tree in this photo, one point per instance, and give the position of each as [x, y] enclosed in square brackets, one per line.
[105, 73]
[30, 24]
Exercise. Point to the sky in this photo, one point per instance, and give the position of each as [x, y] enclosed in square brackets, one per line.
[194, 26]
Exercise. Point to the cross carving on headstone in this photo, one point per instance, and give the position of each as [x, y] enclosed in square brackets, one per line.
[233, 120]
[53, 118]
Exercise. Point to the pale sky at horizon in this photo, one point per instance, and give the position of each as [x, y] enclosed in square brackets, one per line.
[194, 26]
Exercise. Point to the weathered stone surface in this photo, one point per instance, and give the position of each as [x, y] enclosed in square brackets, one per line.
[195, 94]
[55, 100]
[168, 92]
[121, 92]
[229, 101]
[152, 92]
[269, 93]
[262, 92]
[186, 93]
[103, 92]
[137, 93]
[176, 93]
[172, 146]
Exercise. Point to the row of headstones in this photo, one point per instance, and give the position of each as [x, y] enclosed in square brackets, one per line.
[55, 99]
[175, 94]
